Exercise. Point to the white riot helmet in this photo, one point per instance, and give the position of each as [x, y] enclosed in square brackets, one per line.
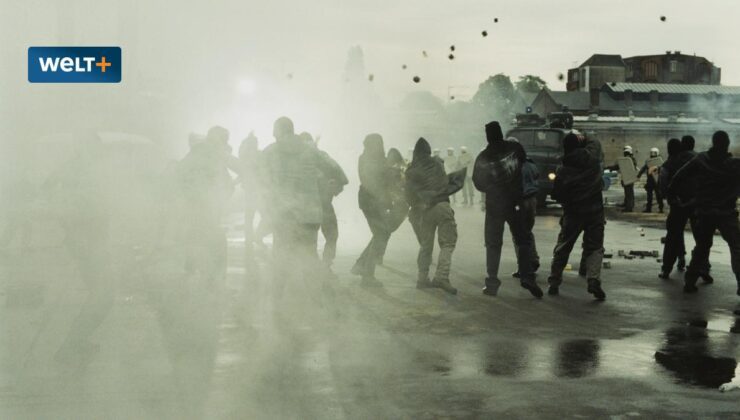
[463, 149]
[627, 150]
[654, 152]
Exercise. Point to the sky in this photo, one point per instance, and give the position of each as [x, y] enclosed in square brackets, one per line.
[248, 48]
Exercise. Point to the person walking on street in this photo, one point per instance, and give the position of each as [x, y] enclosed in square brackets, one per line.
[717, 181]
[465, 160]
[428, 190]
[651, 184]
[498, 174]
[578, 188]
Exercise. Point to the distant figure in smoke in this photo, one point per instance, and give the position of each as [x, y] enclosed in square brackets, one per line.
[375, 202]
[428, 189]
[716, 175]
[292, 169]
[249, 161]
[465, 160]
[498, 174]
[451, 165]
[629, 189]
[81, 199]
[651, 185]
[578, 187]
[330, 186]
[397, 193]
[207, 186]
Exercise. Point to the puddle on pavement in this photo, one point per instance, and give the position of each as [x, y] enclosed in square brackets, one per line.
[692, 352]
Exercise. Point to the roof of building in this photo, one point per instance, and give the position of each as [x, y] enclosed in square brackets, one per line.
[604, 60]
[673, 88]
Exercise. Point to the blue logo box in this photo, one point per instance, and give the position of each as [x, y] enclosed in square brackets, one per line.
[74, 64]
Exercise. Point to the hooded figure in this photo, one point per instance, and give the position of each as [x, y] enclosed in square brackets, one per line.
[397, 190]
[427, 190]
[717, 179]
[498, 174]
[375, 202]
[578, 187]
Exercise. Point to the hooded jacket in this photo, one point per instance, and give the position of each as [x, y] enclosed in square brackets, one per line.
[684, 195]
[579, 183]
[498, 171]
[374, 173]
[716, 178]
[427, 183]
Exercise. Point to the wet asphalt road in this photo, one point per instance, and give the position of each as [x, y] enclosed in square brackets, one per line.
[172, 347]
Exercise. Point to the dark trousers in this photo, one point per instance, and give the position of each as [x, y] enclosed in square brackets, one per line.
[629, 197]
[294, 250]
[571, 226]
[438, 220]
[675, 224]
[377, 220]
[330, 230]
[529, 212]
[658, 197]
[704, 229]
[497, 214]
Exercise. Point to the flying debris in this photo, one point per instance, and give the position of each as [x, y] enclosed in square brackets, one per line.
[289, 76]
[451, 56]
[371, 77]
[662, 18]
[424, 53]
[452, 98]
[417, 79]
[403, 67]
[452, 48]
[561, 76]
[614, 84]
[484, 33]
[495, 20]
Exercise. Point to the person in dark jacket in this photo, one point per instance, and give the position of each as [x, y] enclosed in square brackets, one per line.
[530, 188]
[578, 186]
[681, 211]
[498, 174]
[375, 203]
[717, 177]
[428, 191]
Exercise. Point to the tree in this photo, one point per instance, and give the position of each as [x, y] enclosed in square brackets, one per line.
[495, 95]
[530, 83]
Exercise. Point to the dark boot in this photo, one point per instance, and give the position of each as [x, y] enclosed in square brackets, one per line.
[689, 283]
[533, 288]
[681, 265]
[444, 285]
[554, 288]
[594, 287]
[492, 286]
[423, 283]
[706, 278]
[665, 275]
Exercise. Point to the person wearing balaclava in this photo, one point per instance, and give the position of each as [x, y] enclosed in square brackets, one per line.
[651, 184]
[375, 203]
[578, 188]
[427, 191]
[498, 174]
[291, 169]
[716, 174]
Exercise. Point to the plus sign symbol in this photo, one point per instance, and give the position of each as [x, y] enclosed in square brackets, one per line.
[103, 64]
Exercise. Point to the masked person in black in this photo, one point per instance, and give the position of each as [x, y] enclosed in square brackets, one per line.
[717, 177]
[681, 208]
[397, 193]
[428, 190]
[498, 174]
[578, 186]
[375, 203]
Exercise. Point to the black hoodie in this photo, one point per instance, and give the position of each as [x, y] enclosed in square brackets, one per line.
[716, 178]
[578, 183]
[426, 180]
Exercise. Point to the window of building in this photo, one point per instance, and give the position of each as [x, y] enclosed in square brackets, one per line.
[674, 66]
[650, 70]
